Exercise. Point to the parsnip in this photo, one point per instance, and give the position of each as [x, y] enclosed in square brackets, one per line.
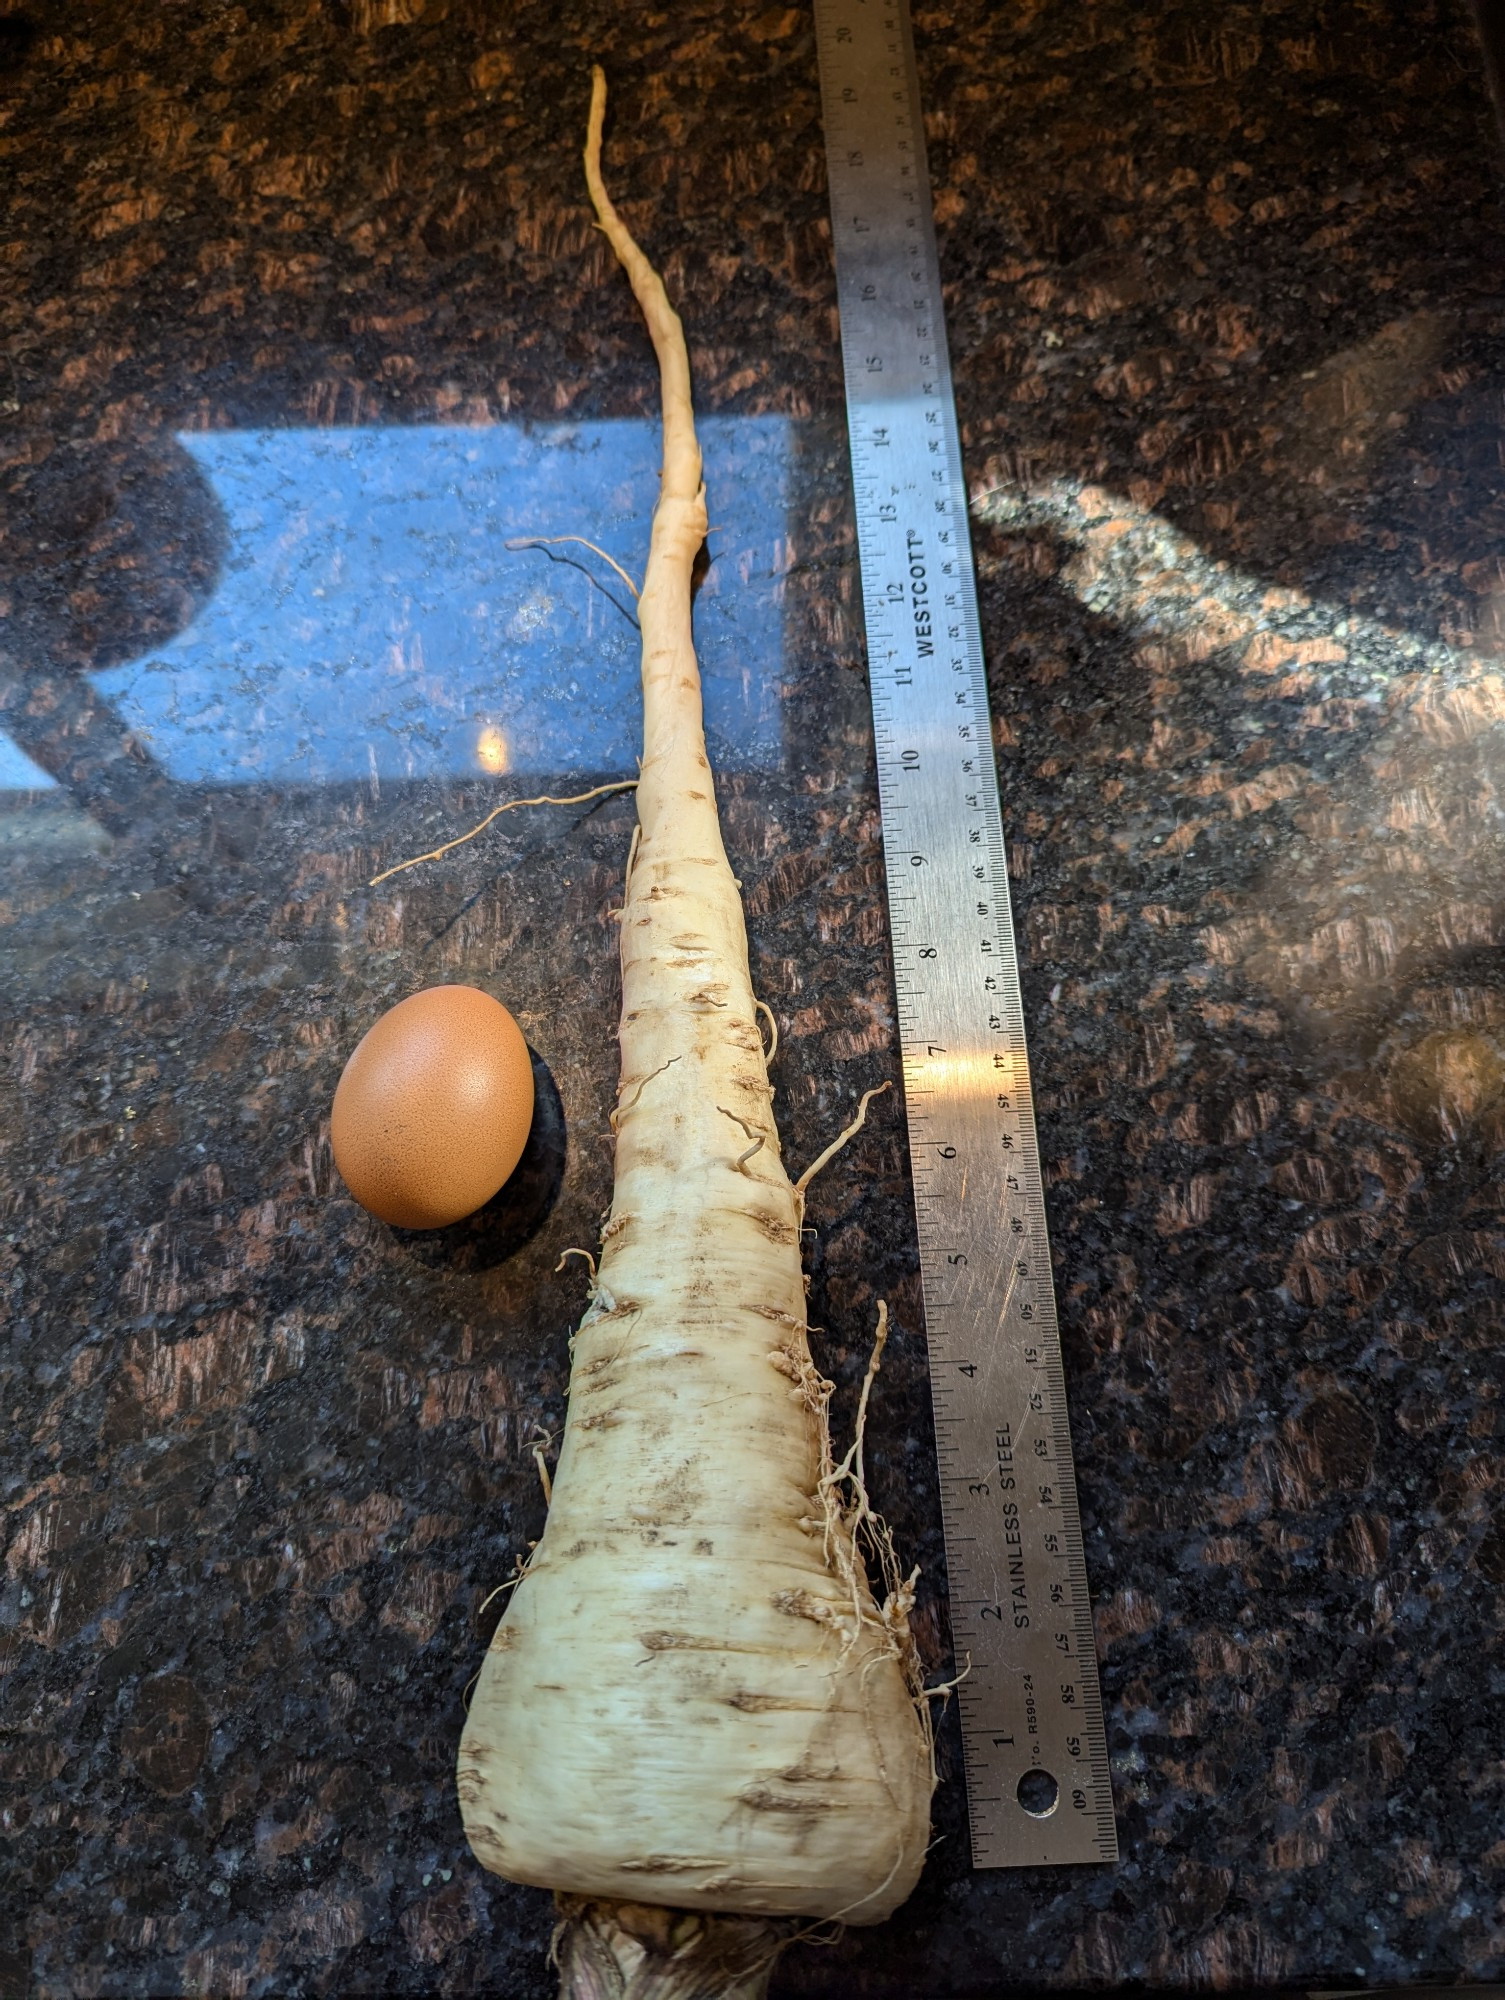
[693, 1702]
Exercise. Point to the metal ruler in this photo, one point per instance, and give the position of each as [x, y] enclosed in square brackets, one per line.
[1038, 1783]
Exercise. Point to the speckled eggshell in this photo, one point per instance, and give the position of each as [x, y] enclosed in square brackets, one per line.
[432, 1112]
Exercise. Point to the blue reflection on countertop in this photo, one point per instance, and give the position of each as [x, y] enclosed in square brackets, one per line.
[18, 773]
[369, 620]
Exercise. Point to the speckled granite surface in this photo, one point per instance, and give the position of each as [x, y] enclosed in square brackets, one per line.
[1227, 316]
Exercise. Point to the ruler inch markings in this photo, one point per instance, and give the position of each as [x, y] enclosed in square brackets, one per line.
[1020, 1603]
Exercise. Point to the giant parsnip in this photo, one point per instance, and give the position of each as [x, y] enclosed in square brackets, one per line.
[694, 1702]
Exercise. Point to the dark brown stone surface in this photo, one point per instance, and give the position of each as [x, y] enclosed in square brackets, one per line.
[1227, 319]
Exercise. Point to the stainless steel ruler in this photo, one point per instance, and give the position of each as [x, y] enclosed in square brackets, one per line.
[1038, 1784]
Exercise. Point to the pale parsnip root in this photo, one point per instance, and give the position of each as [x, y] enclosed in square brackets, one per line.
[693, 1702]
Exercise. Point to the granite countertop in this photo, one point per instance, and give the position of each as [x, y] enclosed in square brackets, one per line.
[302, 318]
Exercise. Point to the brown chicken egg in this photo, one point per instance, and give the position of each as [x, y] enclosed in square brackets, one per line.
[432, 1112]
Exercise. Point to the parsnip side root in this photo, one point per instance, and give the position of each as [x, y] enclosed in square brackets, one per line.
[694, 1722]
[553, 541]
[841, 1141]
[511, 805]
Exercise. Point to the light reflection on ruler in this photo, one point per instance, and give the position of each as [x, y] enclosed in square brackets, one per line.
[1031, 1711]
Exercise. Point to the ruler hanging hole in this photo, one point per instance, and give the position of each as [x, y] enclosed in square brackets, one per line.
[1038, 1793]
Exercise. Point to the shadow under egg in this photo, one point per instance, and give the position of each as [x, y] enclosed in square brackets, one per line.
[520, 1206]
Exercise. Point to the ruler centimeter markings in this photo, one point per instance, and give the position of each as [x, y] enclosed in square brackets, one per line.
[1038, 1783]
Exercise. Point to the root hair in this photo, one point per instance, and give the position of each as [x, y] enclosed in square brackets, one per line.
[552, 541]
[512, 805]
[762, 1007]
[824, 1159]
